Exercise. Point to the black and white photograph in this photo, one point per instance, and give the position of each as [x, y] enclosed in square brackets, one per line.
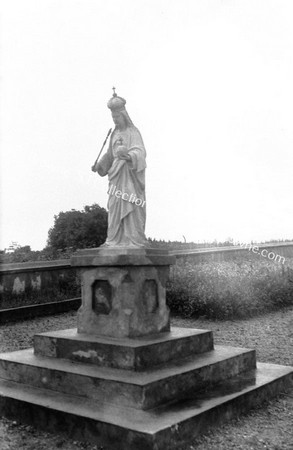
[146, 234]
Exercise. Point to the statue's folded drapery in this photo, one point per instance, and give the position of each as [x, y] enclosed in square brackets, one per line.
[126, 219]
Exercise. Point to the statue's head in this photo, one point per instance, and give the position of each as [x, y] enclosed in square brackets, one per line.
[119, 119]
[119, 114]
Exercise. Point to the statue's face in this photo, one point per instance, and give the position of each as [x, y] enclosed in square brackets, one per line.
[118, 119]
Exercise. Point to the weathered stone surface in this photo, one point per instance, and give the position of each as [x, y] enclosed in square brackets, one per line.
[46, 279]
[152, 406]
[122, 256]
[124, 353]
[141, 390]
[123, 294]
[167, 427]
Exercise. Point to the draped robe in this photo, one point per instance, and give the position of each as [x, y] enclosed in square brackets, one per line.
[126, 220]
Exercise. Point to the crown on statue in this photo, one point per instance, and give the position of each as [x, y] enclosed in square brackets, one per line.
[116, 103]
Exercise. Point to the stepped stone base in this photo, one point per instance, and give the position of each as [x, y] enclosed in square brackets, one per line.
[127, 429]
[124, 353]
[148, 393]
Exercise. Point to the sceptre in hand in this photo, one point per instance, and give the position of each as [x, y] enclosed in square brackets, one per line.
[93, 167]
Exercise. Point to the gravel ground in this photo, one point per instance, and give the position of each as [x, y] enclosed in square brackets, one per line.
[270, 427]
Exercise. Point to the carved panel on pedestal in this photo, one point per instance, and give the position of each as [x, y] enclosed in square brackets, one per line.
[150, 295]
[102, 291]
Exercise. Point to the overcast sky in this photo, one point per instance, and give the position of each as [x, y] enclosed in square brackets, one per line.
[207, 82]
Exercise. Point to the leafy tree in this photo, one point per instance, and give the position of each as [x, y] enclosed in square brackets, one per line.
[18, 254]
[79, 229]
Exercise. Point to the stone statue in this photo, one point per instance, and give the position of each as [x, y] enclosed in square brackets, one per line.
[124, 163]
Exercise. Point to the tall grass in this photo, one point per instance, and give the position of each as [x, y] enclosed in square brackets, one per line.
[231, 289]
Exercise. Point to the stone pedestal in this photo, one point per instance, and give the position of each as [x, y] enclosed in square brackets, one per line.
[123, 291]
[124, 380]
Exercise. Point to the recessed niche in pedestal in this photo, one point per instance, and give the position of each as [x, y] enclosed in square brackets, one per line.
[102, 297]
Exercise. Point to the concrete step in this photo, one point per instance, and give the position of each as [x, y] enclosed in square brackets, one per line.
[134, 354]
[141, 390]
[122, 428]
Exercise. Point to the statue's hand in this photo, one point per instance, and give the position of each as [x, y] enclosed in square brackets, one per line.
[122, 151]
[94, 169]
[126, 157]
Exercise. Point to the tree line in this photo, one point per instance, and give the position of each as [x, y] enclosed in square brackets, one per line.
[87, 228]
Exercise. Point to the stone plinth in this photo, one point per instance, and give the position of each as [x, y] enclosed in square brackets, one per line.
[124, 380]
[134, 354]
[150, 393]
[123, 291]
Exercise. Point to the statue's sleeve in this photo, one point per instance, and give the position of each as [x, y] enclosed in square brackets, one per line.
[137, 151]
[105, 163]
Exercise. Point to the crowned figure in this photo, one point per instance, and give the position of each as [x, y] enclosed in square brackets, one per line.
[124, 163]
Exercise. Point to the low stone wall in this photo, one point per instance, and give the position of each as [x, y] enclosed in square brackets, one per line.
[37, 282]
[48, 281]
[272, 252]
